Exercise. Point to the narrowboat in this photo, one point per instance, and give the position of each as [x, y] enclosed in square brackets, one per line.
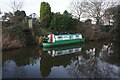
[60, 39]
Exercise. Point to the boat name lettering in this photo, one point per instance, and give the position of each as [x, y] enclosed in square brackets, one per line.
[67, 37]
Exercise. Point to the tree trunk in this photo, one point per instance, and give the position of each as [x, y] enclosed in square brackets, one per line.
[97, 22]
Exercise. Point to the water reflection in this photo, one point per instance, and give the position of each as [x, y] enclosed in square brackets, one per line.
[91, 60]
[16, 63]
[96, 66]
[57, 57]
[62, 50]
[21, 57]
[87, 64]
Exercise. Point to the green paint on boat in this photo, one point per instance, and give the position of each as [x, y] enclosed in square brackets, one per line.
[62, 42]
[54, 40]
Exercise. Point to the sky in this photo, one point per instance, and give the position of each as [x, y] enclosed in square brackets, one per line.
[33, 6]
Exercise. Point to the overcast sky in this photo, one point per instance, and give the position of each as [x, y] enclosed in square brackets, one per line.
[33, 6]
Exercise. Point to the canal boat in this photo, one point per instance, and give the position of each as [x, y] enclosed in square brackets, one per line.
[60, 39]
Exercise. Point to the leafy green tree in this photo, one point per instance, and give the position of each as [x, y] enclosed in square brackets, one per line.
[55, 25]
[45, 14]
[62, 22]
[68, 22]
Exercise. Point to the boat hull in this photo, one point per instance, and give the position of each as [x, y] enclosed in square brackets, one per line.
[62, 42]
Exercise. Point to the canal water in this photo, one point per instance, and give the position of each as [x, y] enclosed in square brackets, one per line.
[88, 60]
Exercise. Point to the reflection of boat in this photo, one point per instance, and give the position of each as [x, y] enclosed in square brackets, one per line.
[52, 57]
[63, 50]
[60, 39]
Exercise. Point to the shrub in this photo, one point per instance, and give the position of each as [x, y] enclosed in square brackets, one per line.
[15, 31]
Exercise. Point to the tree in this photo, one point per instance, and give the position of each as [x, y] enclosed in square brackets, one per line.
[7, 16]
[55, 24]
[77, 9]
[45, 14]
[68, 22]
[19, 16]
[20, 13]
[115, 13]
[97, 9]
[16, 5]
[62, 22]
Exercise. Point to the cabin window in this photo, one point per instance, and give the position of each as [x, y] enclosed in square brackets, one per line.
[59, 37]
[77, 35]
[71, 37]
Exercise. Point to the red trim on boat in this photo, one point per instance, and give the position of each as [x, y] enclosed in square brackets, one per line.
[51, 37]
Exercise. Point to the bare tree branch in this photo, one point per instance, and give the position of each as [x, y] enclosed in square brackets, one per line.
[97, 9]
[77, 9]
[91, 8]
[16, 5]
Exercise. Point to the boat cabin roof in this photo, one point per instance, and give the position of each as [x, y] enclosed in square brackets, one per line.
[66, 33]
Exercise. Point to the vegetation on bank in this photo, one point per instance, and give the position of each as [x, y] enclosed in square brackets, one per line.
[16, 31]
[67, 22]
